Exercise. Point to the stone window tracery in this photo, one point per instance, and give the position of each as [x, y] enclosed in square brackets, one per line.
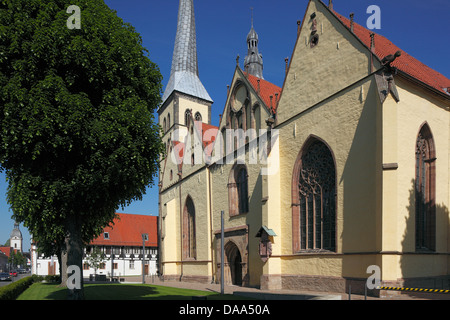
[425, 191]
[314, 199]
[187, 114]
[189, 234]
[238, 191]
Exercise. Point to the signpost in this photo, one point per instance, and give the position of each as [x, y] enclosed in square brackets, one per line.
[144, 238]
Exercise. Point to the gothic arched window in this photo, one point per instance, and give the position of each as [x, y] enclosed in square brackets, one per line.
[314, 198]
[240, 120]
[238, 190]
[248, 116]
[242, 189]
[189, 241]
[198, 116]
[187, 114]
[224, 142]
[256, 118]
[425, 185]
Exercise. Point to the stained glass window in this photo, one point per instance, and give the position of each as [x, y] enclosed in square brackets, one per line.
[189, 241]
[317, 194]
[242, 188]
[238, 191]
[424, 191]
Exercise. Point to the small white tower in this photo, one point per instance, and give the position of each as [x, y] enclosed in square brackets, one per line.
[253, 62]
[15, 240]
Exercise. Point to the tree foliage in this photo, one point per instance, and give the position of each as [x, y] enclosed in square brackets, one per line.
[95, 258]
[78, 138]
[16, 258]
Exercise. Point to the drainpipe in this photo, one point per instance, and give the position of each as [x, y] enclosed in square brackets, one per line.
[181, 225]
[211, 224]
[159, 253]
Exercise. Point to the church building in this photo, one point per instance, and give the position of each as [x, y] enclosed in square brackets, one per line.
[15, 246]
[346, 166]
[16, 239]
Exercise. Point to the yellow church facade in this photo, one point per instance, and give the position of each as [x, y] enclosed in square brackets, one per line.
[345, 167]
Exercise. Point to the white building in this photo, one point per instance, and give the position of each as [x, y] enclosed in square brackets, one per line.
[16, 239]
[121, 246]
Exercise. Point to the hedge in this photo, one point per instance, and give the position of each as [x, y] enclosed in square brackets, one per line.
[54, 278]
[13, 290]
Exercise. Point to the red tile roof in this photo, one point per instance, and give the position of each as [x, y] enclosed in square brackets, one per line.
[266, 90]
[205, 127]
[209, 138]
[207, 141]
[178, 149]
[127, 231]
[6, 250]
[405, 63]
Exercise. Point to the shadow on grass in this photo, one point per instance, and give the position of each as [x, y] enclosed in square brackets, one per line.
[135, 292]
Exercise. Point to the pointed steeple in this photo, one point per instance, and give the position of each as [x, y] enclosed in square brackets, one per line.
[15, 239]
[184, 73]
[253, 62]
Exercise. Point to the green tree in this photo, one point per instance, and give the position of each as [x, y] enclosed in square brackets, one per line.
[78, 138]
[95, 259]
[17, 259]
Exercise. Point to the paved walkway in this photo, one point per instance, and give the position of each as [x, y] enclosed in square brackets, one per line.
[287, 294]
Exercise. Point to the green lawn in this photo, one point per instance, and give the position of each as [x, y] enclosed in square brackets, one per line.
[49, 291]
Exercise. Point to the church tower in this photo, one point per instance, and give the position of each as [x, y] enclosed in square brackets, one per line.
[185, 97]
[253, 62]
[15, 240]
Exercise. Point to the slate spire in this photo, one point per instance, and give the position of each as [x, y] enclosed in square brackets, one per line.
[253, 62]
[184, 73]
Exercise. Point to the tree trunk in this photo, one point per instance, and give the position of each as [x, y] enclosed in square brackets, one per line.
[63, 267]
[58, 255]
[74, 247]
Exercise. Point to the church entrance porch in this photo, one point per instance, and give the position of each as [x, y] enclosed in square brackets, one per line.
[233, 265]
[236, 257]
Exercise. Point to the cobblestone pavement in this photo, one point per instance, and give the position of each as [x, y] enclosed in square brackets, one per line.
[289, 294]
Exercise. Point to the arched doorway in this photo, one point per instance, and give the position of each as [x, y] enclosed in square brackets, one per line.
[233, 264]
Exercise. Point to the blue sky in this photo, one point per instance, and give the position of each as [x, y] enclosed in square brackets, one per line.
[421, 28]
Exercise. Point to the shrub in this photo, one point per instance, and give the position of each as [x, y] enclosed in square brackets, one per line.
[13, 290]
[54, 278]
[37, 278]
